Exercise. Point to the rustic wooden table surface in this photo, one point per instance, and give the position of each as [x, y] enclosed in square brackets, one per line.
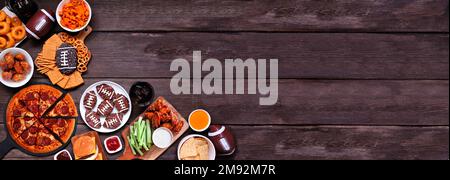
[366, 79]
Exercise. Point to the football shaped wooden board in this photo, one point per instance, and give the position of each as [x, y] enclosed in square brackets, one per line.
[154, 151]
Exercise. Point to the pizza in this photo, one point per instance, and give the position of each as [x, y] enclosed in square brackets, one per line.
[28, 121]
[59, 127]
[64, 108]
[48, 97]
[30, 99]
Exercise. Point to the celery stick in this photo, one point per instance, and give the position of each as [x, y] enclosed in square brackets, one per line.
[131, 145]
[138, 137]
[141, 131]
[141, 139]
[144, 138]
[131, 130]
[149, 134]
[132, 141]
[140, 152]
[135, 129]
[136, 146]
[145, 145]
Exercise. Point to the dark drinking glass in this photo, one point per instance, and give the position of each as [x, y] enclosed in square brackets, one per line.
[24, 9]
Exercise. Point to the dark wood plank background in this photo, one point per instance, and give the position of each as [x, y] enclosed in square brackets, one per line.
[364, 79]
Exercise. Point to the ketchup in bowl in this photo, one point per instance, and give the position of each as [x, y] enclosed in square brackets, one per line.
[113, 144]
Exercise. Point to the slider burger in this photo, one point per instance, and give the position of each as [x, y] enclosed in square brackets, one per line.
[85, 148]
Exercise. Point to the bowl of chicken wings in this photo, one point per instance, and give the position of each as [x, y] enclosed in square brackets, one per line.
[16, 67]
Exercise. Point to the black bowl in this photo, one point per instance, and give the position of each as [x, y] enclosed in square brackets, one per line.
[142, 94]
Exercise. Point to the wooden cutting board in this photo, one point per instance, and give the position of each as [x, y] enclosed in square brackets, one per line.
[154, 151]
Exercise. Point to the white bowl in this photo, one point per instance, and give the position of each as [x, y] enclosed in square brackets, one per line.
[58, 17]
[212, 150]
[28, 58]
[115, 151]
[157, 141]
[57, 154]
[209, 121]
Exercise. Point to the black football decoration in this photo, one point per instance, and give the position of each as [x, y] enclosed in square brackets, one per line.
[66, 58]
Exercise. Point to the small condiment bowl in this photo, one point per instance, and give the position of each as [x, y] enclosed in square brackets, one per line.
[209, 120]
[29, 60]
[212, 150]
[155, 137]
[106, 145]
[58, 17]
[57, 154]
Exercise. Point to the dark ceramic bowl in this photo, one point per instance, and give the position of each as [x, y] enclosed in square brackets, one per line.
[142, 94]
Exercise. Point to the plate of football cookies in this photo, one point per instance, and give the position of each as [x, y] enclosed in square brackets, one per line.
[105, 106]
[64, 58]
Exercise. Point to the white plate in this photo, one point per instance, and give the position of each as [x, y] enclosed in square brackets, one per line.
[11, 14]
[118, 89]
[29, 60]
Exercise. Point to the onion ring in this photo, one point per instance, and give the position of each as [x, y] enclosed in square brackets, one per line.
[18, 33]
[2, 15]
[16, 22]
[3, 42]
[11, 42]
[8, 20]
[4, 28]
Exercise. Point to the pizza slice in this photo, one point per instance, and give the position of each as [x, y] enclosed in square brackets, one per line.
[63, 128]
[37, 139]
[30, 99]
[27, 139]
[18, 108]
[46, 142]
[18, 125]
[48, 96]
[64, 109]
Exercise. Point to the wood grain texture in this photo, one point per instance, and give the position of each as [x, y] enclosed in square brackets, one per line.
[310, 102]
[359, 79]
[322, 142]
[269, 15]
[314, 56]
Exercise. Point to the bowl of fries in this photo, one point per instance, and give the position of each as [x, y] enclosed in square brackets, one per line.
[73, 15]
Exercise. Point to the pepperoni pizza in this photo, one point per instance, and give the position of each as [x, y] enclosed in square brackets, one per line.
[29, 125]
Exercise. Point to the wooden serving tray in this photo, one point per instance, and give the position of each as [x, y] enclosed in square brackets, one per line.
[97, 139]
[154, 151]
